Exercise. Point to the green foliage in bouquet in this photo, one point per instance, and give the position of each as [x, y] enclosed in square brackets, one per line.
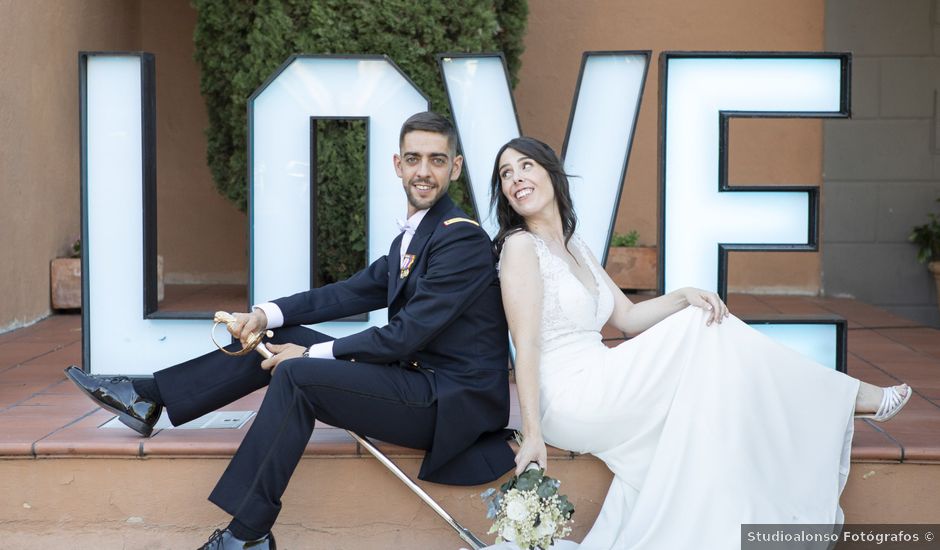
[927, 238]
[240, 44]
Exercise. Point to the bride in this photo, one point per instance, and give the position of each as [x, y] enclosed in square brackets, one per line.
[706, 423]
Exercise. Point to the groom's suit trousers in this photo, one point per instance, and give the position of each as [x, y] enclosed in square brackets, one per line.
[434, 377]
[387, 402]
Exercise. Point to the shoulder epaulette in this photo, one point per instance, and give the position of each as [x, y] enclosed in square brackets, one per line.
[456, 220]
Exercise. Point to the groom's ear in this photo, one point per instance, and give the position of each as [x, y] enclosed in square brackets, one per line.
[456, 168]
[396, 160]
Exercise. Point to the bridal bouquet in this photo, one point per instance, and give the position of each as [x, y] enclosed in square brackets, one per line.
[528, 510]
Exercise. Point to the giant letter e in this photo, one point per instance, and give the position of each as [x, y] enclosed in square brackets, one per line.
[701, 217]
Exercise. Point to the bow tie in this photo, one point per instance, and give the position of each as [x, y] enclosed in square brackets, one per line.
[406, 226]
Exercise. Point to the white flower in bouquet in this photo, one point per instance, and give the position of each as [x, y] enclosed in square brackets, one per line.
[546, 528]
[516, 508]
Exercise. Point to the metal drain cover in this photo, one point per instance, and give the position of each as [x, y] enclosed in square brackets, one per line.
[215, 420]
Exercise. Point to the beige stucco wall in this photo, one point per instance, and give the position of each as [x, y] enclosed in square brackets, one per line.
[39, 164]
[202, 236]
[765, 151]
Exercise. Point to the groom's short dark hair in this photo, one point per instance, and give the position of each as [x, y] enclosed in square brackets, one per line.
[429, 121]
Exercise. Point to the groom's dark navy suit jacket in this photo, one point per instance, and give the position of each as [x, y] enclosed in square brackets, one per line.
[445, 317]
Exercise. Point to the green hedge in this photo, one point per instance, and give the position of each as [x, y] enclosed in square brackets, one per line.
[239, 44]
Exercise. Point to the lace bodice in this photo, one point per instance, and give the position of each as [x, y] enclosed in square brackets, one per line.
[571, 313]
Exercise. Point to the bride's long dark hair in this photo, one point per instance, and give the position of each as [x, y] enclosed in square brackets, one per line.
[509, 220]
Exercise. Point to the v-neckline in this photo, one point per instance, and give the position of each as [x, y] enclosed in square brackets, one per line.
[596, 295]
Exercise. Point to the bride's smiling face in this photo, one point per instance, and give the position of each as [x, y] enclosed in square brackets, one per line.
[525, 183]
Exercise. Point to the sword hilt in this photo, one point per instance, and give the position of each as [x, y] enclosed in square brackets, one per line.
[253, 343]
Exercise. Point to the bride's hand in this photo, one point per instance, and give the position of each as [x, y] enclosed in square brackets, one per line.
[709, 301]
[532, 450]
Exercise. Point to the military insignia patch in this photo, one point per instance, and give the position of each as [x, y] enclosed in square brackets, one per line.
[407, 261]
[455, 220]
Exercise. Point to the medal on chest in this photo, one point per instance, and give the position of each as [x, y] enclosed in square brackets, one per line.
[407, 261]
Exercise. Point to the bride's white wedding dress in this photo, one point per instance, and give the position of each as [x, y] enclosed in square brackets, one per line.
[704, 427]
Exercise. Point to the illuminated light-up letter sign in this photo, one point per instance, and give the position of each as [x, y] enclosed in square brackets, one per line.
[701, 221]
[597, 142]
[304, 88]
[702, 217]
[121, 333]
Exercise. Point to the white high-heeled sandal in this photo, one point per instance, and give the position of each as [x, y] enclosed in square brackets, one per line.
[891, 404]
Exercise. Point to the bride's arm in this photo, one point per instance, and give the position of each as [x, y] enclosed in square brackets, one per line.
[632, 319]
[521, 286]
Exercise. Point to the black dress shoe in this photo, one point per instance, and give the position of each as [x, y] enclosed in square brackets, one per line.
[117, 395]
[225, 540]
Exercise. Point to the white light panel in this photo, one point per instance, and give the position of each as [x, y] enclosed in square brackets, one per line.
[816, 341]
[484, 115]
[600, 139]
[120, 340]
[280, 178]
[698, 217]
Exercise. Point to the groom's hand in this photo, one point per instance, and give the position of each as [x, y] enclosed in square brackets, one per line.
[247, 324]
[282, 352]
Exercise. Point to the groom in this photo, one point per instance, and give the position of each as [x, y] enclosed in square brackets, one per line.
[434, 378]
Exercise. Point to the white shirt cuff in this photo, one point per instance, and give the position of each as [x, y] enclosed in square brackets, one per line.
[273, 313]
[323, 350]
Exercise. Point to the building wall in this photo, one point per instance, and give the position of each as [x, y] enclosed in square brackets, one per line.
[39, 164]
[882, 167]
[201, 235]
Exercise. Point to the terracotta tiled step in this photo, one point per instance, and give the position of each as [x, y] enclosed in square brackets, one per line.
[59, 329]
[41, 414]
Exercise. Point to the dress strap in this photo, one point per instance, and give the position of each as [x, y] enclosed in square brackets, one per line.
[540, 247]
[541, 250]
[586, 253]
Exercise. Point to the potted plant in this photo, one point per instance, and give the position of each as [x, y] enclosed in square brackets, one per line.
[632, 267]
[65, 279]
[927, 238]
